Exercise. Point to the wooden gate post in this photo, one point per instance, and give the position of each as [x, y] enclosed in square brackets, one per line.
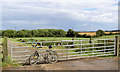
[117, 46]
[5, 50]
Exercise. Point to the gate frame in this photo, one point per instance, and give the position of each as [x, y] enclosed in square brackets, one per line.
[116, 46]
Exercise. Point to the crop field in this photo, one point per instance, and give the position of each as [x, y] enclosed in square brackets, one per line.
[94, 33]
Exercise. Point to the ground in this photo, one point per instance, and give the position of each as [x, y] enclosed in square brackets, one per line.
[80, 64]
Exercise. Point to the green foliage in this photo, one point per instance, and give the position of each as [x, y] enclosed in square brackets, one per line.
[79, 35]
[33, 33]
[8, 63]
[9, 33]
[71, 33]
[0, 33]
[84, 36]
[99, 33]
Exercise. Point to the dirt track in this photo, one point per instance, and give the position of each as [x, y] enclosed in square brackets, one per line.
[82, 64]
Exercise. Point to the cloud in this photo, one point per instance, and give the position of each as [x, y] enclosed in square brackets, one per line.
[90, 9]
[61, 14]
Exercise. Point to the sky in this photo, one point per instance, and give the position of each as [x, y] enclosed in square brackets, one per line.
[79, 15]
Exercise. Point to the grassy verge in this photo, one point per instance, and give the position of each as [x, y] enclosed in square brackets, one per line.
[9, 63]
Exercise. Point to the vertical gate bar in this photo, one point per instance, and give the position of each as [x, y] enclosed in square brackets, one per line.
[26, 51]
[11, 52]
[61, 43]
[73, 42]
[41, 46]
[81, 48]
[54, 45]
[93, 48]
[79, 44]
[67, 50]
[104, 46]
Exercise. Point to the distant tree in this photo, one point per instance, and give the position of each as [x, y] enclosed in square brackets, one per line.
[27, 33]
[79, 35]
[8, 33]
[20, 34]
[59, 33]
[34, 33]
[99, 33]
[71, 33]
[0, 32]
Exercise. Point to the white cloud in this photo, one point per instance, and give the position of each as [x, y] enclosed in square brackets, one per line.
[27, 22]
[105, 11]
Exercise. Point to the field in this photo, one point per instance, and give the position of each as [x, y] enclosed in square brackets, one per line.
[59, 38]
[94, 33]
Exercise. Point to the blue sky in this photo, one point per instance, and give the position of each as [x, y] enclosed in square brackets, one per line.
[79, 15]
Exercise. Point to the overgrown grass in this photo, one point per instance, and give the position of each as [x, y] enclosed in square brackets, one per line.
[9, 63]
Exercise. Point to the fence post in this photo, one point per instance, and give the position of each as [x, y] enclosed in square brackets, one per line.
[117, 46]
[5, 50]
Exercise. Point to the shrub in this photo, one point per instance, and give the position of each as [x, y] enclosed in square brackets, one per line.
[99, 33]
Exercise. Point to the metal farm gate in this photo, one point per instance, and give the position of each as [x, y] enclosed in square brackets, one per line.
[66, 49]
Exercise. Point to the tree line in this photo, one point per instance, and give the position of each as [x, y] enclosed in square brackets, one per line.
[47, 33]
[34, 33]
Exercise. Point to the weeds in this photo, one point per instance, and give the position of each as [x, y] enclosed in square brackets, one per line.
[9, 63]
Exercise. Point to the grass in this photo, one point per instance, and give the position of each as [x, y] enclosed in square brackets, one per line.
[106, 37]
[46, 38]
[60, 38]
[9, 63]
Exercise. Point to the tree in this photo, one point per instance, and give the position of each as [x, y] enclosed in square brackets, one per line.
[34, 33]
[8, 33]
[71, 33]
[20, 34]
[99, 33]
[0, 33]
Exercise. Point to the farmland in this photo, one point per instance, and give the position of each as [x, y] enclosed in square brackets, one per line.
[94, 33]
[59, 38]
